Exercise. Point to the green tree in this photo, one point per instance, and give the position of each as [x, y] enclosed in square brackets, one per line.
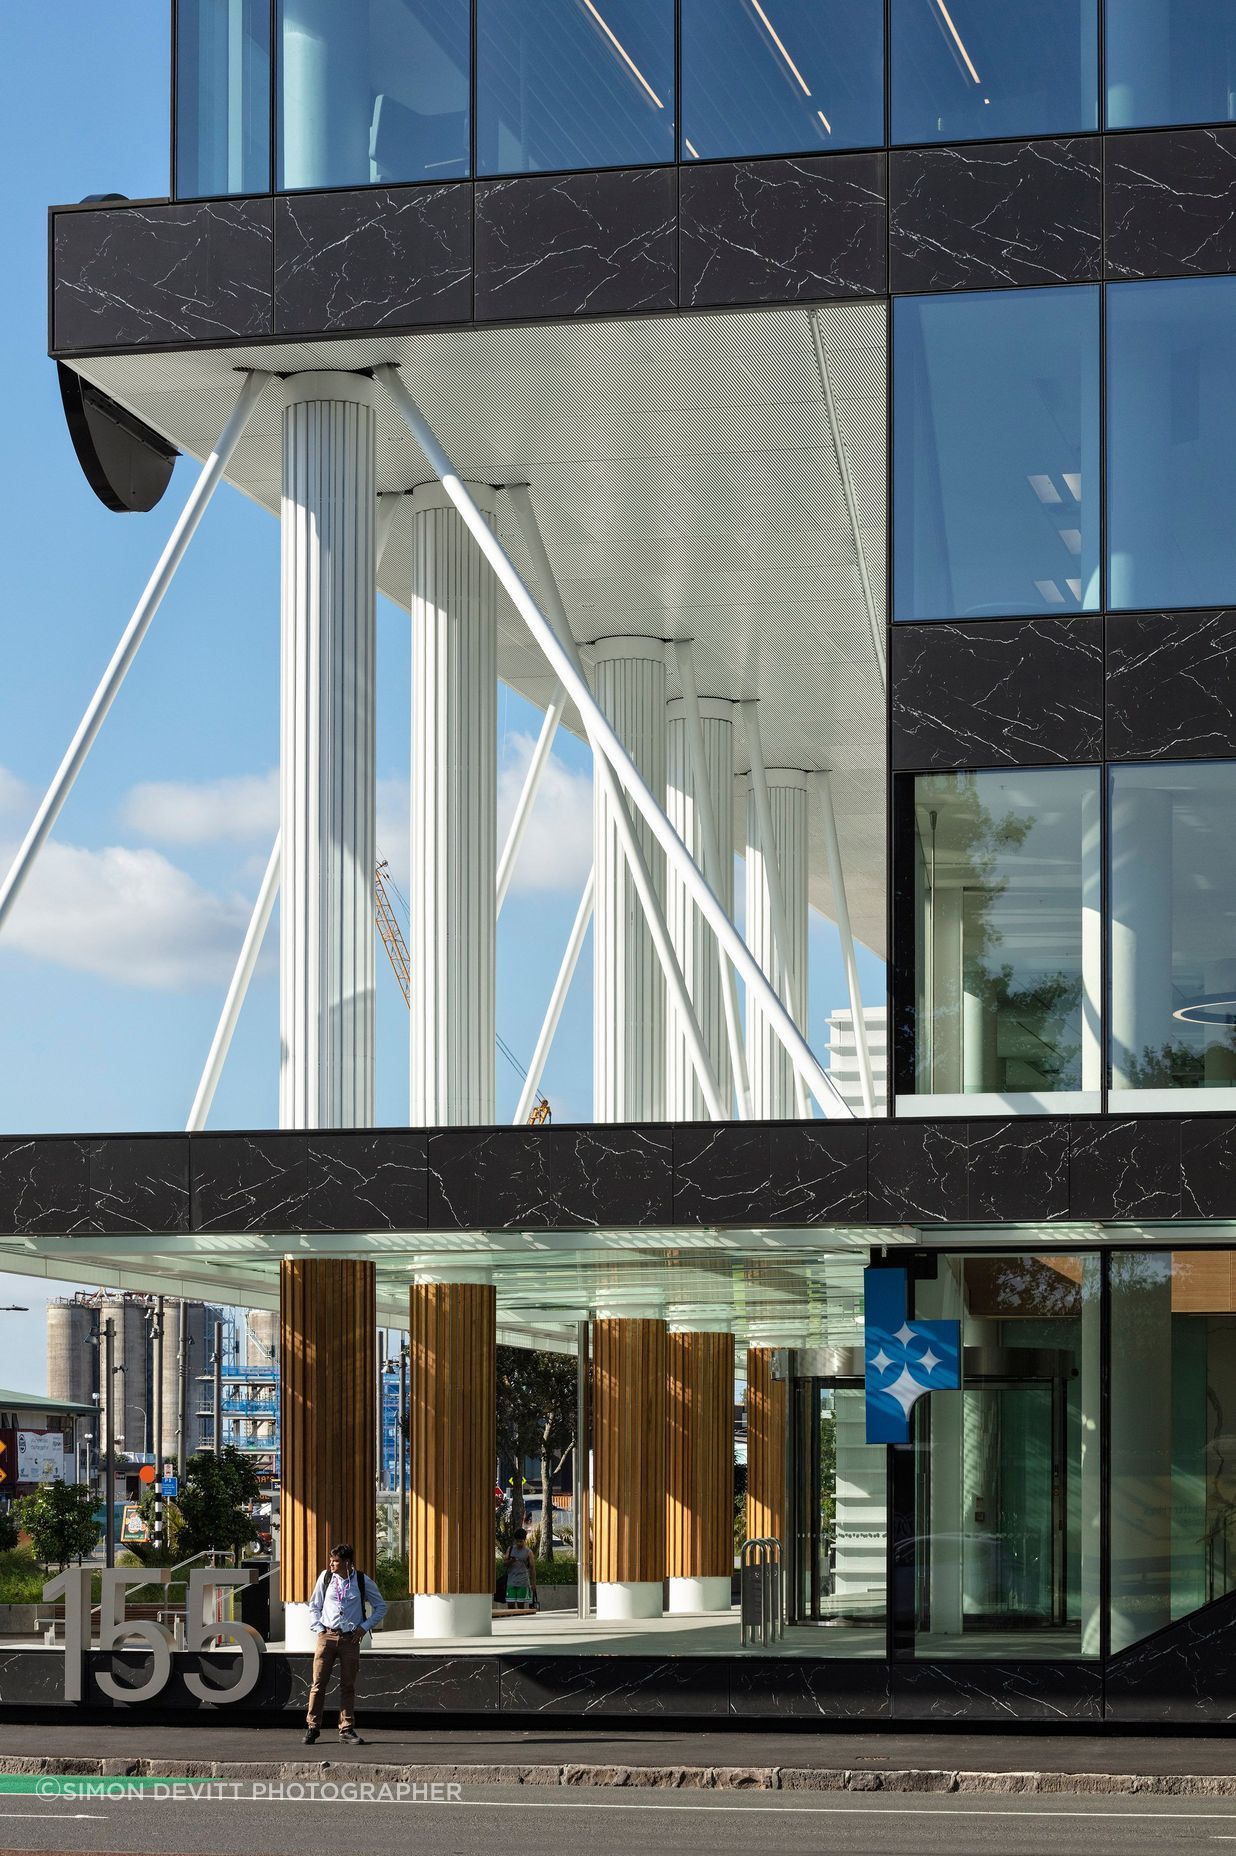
[536, 1417]
[558, 1377]
[9, 1530]
[216, 1497]
[59, 1518]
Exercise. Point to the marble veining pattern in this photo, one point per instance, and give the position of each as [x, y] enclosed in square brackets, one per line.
[1185, 1673]
[1208, 1167]
[1125, 1169]
[1018, 1170]
[139, 1183]
[249, 1182]
[995, 215]
[1001, 692]
[374, 258]
[576, 244]
[1171, 203]
[830, 1689]
[916, 1172]
[550, 1178]
[45, 1186]
[172, 275]
[981, 1691]
[367, 1181]
[783, 230]
[817, 1173]
[1171, 685]
[721, 1172]
[584, 1685]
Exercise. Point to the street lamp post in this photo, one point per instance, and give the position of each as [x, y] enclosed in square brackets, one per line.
[109, 1496]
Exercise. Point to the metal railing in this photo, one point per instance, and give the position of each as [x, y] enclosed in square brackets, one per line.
[761, 1607]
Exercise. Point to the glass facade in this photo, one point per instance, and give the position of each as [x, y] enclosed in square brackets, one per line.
[1006, 933]
[972, 69]
[1171, 403]
[223, 97]
[374, 92]
[793, 76]
[1170, 61]
[996, 454]
[1172, 936]
[573, 84]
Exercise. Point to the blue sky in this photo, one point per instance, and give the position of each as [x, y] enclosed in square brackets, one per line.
[113, 964]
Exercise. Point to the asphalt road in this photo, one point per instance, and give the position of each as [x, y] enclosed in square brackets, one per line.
[484, 1819]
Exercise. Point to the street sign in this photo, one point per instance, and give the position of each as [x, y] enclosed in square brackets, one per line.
[168, 1487]
[147, 1473]
[4, 1450]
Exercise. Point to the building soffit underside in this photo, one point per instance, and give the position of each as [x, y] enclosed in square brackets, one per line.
[687, 481]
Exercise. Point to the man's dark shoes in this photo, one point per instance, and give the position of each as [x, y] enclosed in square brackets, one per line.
[350, 1734]
[311, 1734]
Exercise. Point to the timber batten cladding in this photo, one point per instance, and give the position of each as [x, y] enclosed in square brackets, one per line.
[628, 1441]
[699, 1449]
[452, 1331]
[765, 1448]
[328, 1359]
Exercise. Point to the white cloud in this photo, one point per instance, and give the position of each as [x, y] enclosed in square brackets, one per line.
[16, 798]
[236, 810]
[556, 853]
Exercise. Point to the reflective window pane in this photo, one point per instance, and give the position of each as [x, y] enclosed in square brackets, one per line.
[375, 91]
[781, 77]
[573, 84]
[222, 97]
[996, 453]
[1173, 1437]
[983, 68]
[1007, 933]
[1172, 949]
[1007, 1542]
[1170, 61]
[1171, 464]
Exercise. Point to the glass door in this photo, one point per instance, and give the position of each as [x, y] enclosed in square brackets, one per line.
[840, 1519]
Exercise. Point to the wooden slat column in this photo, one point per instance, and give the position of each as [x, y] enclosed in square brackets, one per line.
[327, 1373]
[699, 1449]
[765, 1447]
[452, 1374]
[628, 1442]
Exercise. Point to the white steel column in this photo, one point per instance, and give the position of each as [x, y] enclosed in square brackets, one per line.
[327, 779]
[454, 817]
[773, 1095]
[628, 988]
[694, 942]
[836, 876]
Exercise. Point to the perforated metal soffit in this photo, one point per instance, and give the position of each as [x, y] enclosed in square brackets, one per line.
[688, 486]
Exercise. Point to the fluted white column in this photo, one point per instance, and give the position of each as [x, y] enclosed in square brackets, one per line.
[628, 990]
[454, 817]
[772, 1077]
[326, 932]
[694, 942]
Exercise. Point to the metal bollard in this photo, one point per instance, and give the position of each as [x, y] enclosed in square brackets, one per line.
[761, 1608]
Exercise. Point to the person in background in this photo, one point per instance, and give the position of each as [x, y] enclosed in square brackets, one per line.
[339, 1621]
[520, 1574]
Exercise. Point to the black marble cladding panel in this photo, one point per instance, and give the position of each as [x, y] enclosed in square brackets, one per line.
[375, 258]
[45, 1186]
[545, 1179]
[998, 214]
[721, 1173]
[1125, 1168]
[139, 1183]
[1208, 1167]
[997, 1691]
[163, 275]
[783, 231]
[996, 693]
[1170, 203]
[609, 1685]
[790, 1687]
[917, 1172]
[817, 1173]
[1018, 1170]
[576, 244]
[362, 1180]
[1181, 1675]
[1171, 685]
[249, 1182]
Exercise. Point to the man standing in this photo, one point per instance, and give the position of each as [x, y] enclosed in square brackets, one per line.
[339, 1620]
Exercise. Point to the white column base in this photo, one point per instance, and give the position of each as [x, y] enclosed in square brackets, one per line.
[296, 1632]
[452, 1614]
[625, 1599]
[711, 1593]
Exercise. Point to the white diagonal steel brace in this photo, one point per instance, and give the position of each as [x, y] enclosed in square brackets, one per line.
[251, 947]
[836, 873]
[528, 793]
[772, 876]
[654, 914]
[557, 999]
[252, 388]
[611, 749]
[874, 623]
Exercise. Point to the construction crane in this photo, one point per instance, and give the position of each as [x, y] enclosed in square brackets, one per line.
[397, 953]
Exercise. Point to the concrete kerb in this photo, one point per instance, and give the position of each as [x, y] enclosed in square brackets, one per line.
[678, 1778]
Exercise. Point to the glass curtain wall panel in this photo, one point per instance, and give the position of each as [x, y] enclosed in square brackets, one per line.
[1171, 464]
[968, 69]
[996, 454]
[1170, 61]
[573, 84]
[772, 77]
[222, 97]
[1172, 936]
[373, 91]
[1173, 1436]
[1008, 936]
[1007, 1537]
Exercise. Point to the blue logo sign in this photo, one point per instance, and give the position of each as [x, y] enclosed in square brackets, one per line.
[168, 1487]
[903, 1358]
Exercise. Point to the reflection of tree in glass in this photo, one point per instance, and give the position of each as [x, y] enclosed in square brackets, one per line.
[1178, 1065]
[975, 841]
[1047, 1013]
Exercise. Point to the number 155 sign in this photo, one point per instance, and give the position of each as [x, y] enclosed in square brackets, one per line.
[116, 1632]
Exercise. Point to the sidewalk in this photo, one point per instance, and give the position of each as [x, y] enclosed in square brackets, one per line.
[940, 1760]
